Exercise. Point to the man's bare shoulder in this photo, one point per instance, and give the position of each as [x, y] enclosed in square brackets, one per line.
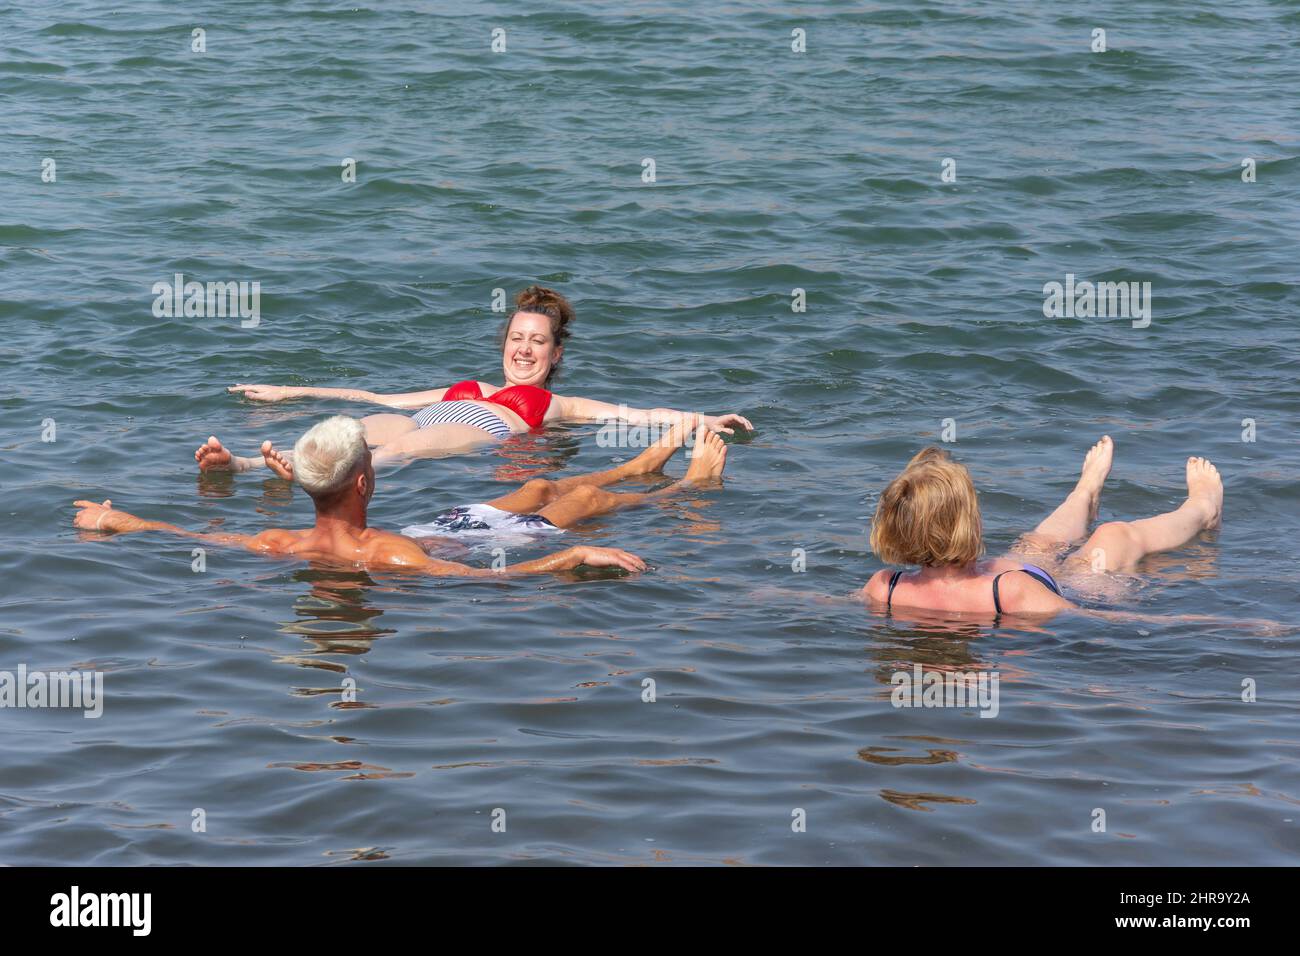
[387, 547]
[275, 540]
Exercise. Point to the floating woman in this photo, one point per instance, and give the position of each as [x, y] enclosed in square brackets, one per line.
[929, 516]
[471, 413]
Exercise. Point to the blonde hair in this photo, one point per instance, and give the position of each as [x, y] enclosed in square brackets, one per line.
[328, 455]
[929, 514]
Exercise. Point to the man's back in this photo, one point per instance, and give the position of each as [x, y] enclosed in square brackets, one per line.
[368, 546]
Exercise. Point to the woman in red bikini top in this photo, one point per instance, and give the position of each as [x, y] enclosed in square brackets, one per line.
[529, 402]
[473, 411]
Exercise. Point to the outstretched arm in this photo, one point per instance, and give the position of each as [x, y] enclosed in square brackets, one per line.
[412, 556]
[1262, 624]
[573, 409]
[406, 553]
[93, 517]
[570, 558]
[278, 393]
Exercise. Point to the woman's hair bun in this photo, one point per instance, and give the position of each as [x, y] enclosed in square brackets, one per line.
[548, 302]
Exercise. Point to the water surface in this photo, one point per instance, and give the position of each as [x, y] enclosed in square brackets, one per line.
[774, 171]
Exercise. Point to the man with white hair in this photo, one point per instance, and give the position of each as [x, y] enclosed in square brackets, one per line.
[332, 462]
[543, 506]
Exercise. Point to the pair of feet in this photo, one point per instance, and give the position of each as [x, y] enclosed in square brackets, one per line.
[1204, 486]
[708, 457]
[708, 454]
[213, 456]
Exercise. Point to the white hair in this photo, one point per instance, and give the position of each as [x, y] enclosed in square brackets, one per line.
[328, 454]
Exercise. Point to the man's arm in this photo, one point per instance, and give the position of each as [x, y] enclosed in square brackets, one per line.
[93, 517]
[408, 554]
[398, 552]
[570, 558]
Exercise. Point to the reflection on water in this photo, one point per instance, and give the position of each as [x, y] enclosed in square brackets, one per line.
[215, 484]
[890, 756]
[1198, 561]
[533, 455]
[918, 801]
[934, 647]
[334, 617]
[275, 494]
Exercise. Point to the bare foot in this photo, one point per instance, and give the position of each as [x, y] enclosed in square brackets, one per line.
[1205, 490]
[212, 456]
[654, 458]
[277, 461]
[708, 457]
[1096, 466]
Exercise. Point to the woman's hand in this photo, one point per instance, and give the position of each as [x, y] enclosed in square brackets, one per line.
[724, 423]
[266, 393]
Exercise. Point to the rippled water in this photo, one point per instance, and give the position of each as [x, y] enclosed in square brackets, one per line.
[775, 170]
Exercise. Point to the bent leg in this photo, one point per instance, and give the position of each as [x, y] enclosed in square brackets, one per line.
[588, 501]
[1120, 545]
[1068, 524]
[533, 495]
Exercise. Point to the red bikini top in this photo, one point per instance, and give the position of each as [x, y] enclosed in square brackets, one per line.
[527, 401]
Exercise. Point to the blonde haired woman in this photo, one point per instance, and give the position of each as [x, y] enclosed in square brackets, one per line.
[929, 516]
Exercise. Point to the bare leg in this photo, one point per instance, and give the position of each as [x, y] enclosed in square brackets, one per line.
[432, 441]
[534, 495]
[381, 429]
[1120, 545]
[1068, 524]
[588, 501]
[386, 427]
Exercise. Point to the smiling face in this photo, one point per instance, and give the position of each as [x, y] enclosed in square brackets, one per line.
[530, 351]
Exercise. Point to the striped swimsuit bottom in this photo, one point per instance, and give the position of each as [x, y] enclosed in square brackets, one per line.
[462, 413]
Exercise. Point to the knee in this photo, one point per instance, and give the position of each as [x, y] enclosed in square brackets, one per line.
[1111, 546]
[542, 489]
[587, 494]
[588, 498]
[1115, 531]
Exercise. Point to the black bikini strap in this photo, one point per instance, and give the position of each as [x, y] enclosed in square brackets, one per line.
[997, 604]
[893, 579]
